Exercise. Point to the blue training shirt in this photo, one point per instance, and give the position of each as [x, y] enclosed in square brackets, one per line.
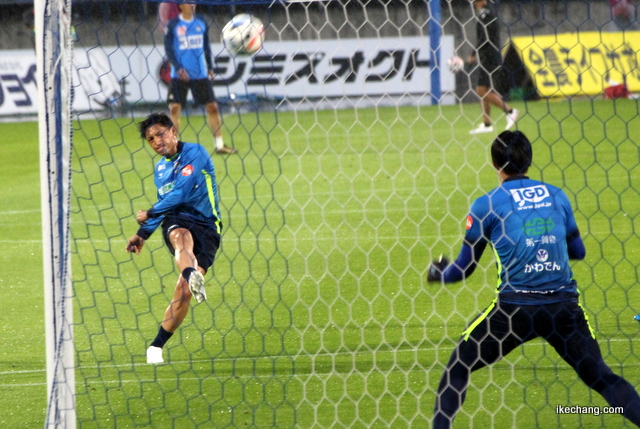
[533, 232]
[186, 44]
[186, 185]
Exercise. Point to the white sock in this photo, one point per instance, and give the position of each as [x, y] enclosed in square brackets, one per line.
[218, 142]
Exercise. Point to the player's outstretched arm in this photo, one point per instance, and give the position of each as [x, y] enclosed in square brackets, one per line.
[135, 244]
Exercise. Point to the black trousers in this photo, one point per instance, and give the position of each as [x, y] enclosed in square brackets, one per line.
[503, 327]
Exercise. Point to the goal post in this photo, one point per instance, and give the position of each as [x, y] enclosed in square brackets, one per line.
[54, 60]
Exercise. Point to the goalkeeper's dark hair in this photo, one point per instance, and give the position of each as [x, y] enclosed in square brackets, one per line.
[154, 119]
[511, 152]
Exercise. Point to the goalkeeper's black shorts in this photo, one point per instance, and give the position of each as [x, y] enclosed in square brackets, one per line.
[503, 327]
[206, 238]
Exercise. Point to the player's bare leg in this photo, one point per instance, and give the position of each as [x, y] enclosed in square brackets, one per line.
[173, 317]
[489, 97]
[485, 103]
[182, 243]
[175, 111]
[214, 120]
[179, 307]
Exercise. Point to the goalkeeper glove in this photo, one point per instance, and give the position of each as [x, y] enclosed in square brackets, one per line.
[436, 269]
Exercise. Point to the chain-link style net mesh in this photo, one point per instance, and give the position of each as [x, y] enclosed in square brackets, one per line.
[347, 183]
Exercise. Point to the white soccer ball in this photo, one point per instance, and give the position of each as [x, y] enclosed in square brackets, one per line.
[243, 35]
[455, 64]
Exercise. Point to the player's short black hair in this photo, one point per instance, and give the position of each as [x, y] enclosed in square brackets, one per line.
[154, 119]
[511, 152]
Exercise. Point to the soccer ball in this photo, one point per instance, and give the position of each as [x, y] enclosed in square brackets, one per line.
[455, 64]
[243, 35]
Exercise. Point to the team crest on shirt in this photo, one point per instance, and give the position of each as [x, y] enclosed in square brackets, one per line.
[187, 170]
[181, 30]
[469, 222]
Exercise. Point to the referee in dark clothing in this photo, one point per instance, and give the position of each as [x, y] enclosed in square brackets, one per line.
[533, 232]
[489, 59]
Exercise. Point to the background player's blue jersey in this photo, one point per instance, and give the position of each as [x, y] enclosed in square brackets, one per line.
[186, 185]
[187, 46]
[533, 231]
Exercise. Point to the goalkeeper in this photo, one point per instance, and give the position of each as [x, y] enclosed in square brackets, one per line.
[533, 231]
[188, 210]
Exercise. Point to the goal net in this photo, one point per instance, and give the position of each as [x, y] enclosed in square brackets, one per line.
[355, 168]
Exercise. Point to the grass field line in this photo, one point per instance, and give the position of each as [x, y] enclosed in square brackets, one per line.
[290, 214]
[251, 376]
[259, 213]
[537, 343]
[276, 197]
[251, 239]
[18, 212]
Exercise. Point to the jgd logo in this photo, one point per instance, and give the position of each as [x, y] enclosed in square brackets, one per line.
[533, 194]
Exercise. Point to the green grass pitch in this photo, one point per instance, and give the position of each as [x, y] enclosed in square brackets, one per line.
[318, 312]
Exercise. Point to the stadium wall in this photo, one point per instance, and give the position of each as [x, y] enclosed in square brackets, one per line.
[99, 26]
[519, 18]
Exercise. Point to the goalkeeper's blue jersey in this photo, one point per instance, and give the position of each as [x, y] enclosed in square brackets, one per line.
[186, 185]
[529, 224]
[186, 44]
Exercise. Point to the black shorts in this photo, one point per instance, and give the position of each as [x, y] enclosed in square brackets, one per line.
[490, 76]
[206, 238]
[503, 327]
[201, 89]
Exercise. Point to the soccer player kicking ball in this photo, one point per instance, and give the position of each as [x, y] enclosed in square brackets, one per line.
[532, 229]
[188, 210]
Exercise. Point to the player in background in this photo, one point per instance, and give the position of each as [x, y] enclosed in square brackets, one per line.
[487, 55]
[189, 212]
[187, 47]
[166, 12]
[623, 16]
[533, 232]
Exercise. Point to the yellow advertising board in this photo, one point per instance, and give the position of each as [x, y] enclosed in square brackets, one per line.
[580, 63]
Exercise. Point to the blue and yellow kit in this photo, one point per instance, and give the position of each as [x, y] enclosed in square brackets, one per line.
[533, 232]
[186, 185]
